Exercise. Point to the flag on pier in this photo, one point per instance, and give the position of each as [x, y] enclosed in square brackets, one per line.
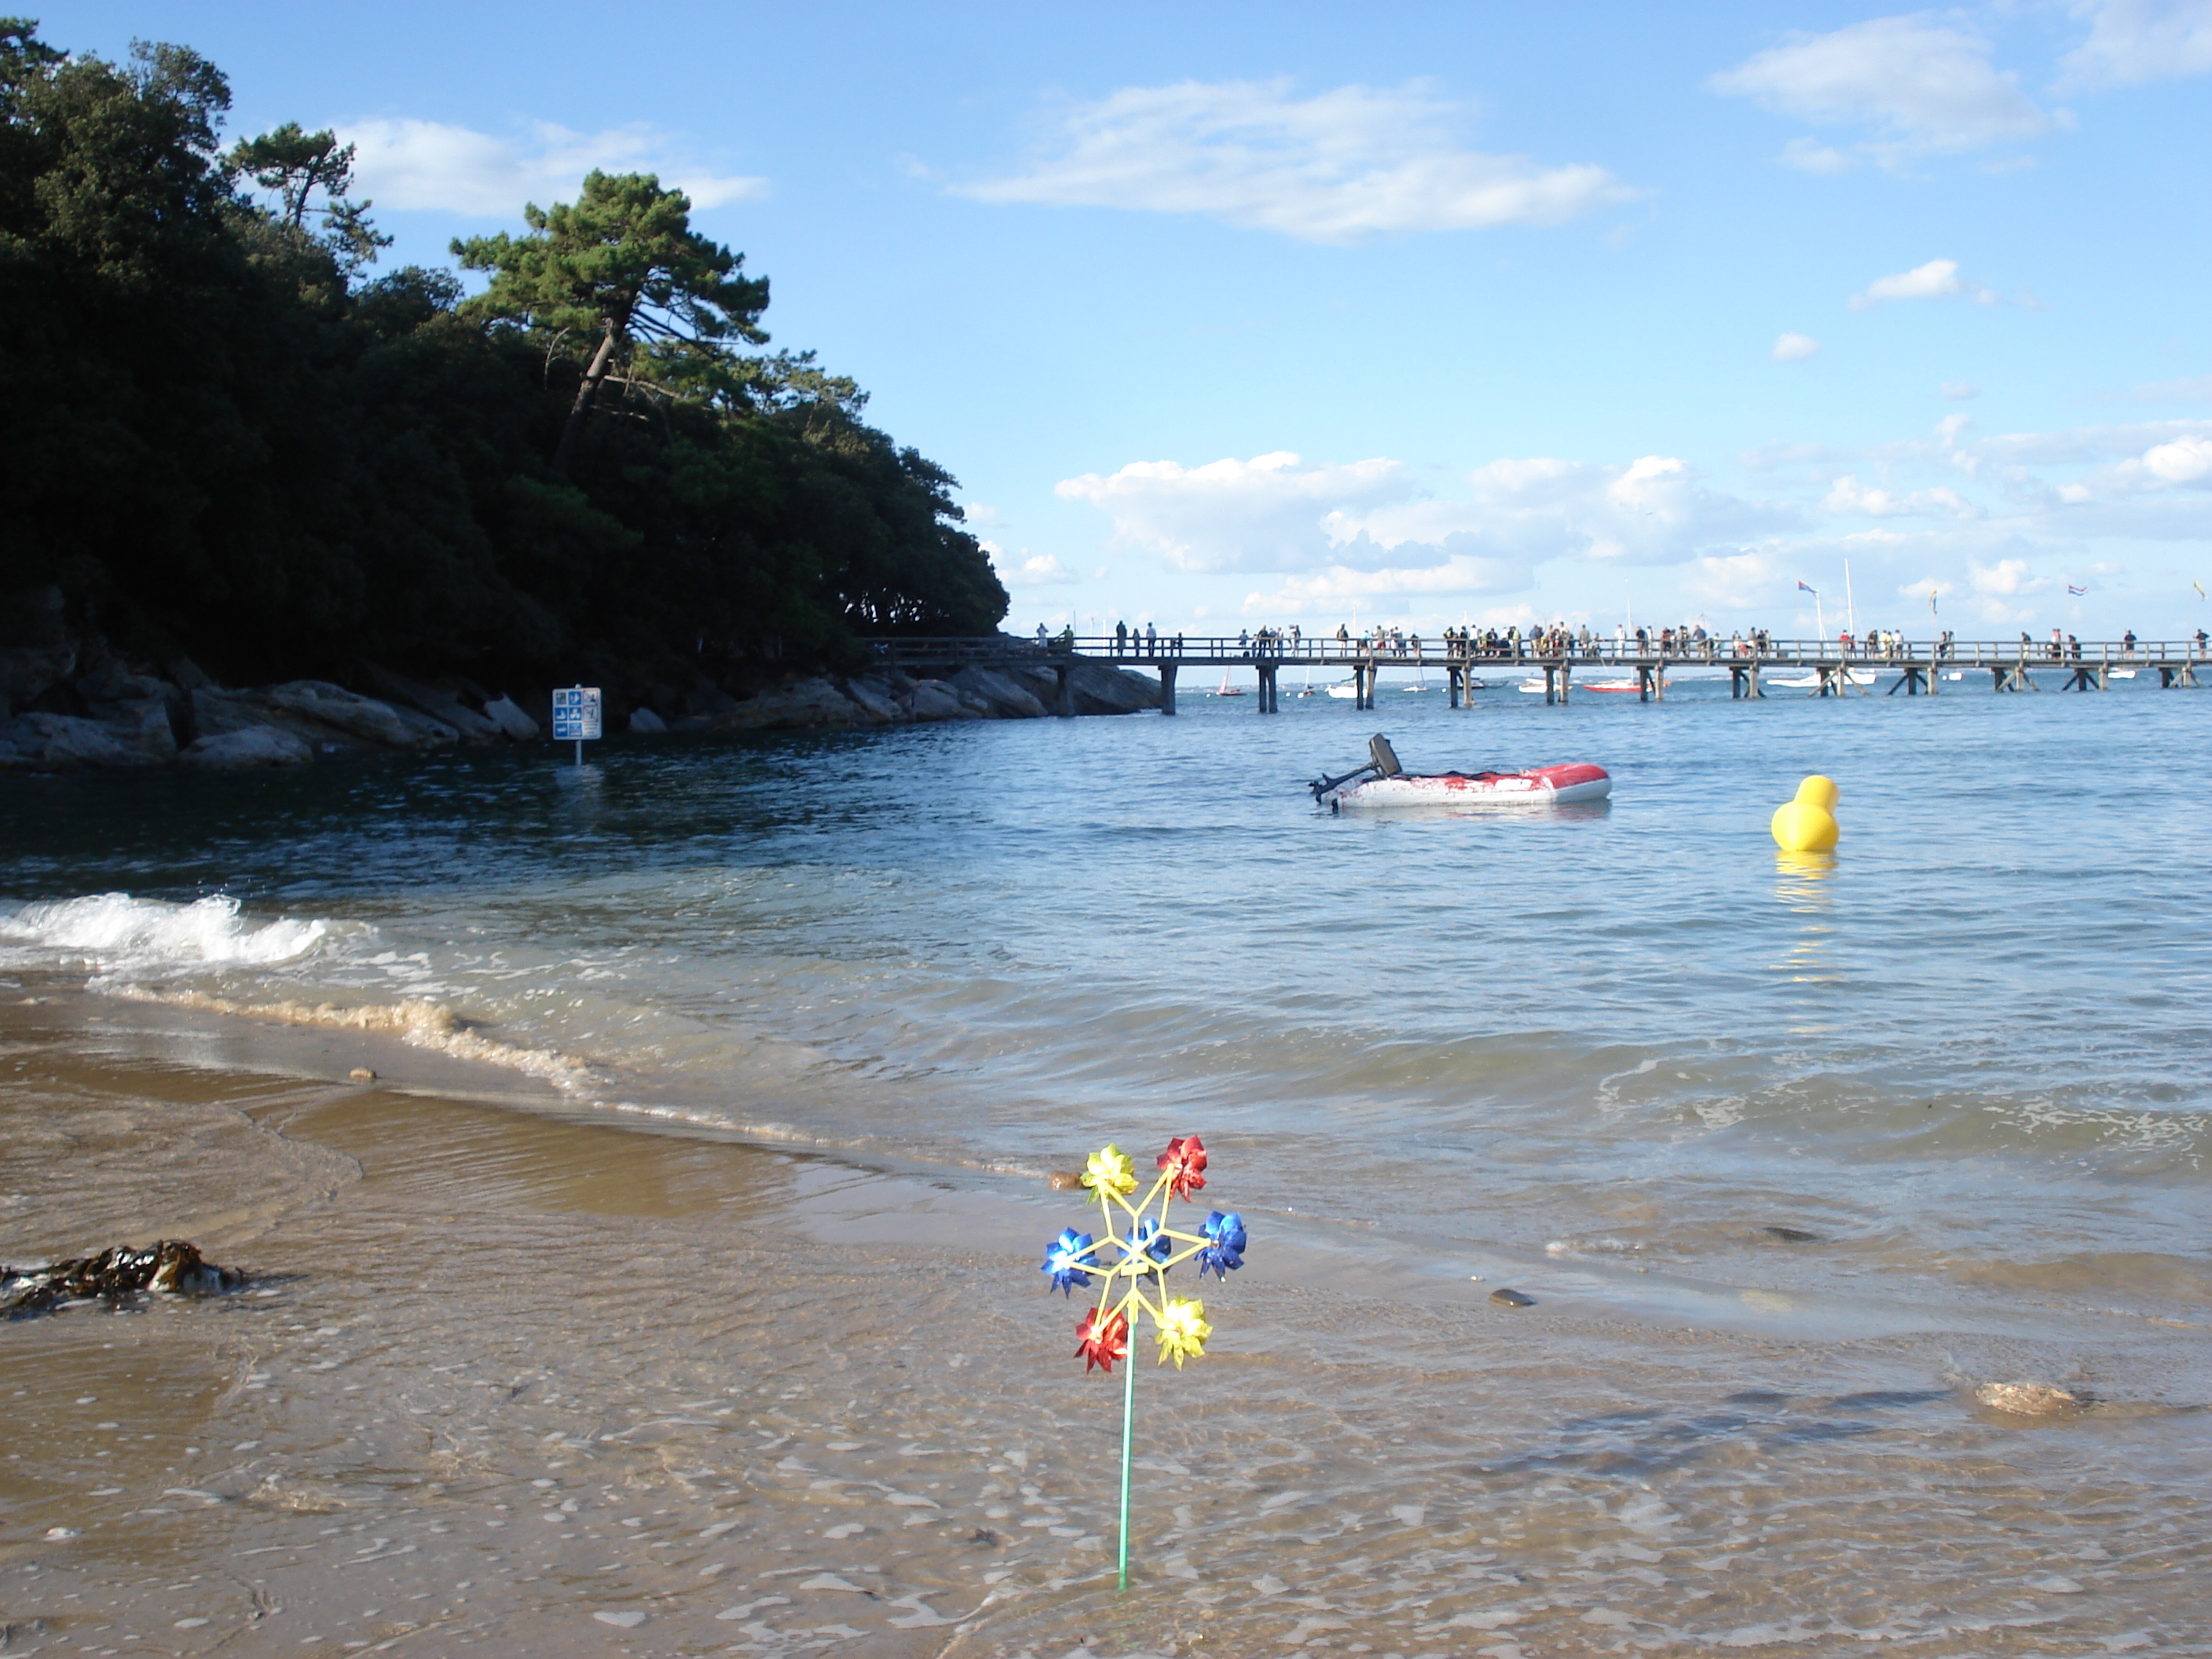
[2076, 592]
[1807, 587]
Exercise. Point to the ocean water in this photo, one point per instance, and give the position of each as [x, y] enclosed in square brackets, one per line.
[993, 944]
[1965, 1065]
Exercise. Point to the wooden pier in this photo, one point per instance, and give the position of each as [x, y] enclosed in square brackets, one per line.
[1818, 668]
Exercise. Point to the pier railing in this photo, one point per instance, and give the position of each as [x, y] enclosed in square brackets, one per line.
[1232, 650]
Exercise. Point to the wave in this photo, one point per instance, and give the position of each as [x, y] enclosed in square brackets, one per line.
[415, 1021]
[114, 933]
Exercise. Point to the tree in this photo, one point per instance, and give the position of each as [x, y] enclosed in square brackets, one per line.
[623, 267]
[293, 166]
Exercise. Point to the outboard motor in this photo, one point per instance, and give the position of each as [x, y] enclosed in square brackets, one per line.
[1384, 758]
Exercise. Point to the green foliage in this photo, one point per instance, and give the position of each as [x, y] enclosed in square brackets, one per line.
[225, 437]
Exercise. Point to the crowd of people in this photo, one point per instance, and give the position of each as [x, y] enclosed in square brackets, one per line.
[1690, 642]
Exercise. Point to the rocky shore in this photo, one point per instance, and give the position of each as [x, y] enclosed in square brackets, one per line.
[70, 703]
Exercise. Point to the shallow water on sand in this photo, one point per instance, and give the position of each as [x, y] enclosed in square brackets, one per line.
[1598, 1054]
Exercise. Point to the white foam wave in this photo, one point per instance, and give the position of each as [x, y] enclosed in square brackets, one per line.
[115, 933]
[414, 1021]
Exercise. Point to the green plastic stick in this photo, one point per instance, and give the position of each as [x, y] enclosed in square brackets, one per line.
[1128, 1439]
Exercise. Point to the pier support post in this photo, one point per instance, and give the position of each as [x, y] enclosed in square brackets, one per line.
[1451, 688]
[1551, 684]
[1566, 674]
[1167, 688]
[1266, 672]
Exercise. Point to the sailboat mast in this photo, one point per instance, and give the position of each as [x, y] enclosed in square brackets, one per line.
[1850, 610]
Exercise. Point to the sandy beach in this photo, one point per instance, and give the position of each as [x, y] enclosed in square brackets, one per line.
[512, 1381]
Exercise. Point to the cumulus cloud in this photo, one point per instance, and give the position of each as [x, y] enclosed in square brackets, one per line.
[1795, 347]
[2135, 40]
[413, 164]
[1848, 496]
[1367, 530]
[1339, 166]
[1923, 88]
[1938, 279]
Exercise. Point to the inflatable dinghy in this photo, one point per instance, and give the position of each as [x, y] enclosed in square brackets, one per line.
[1383, 782]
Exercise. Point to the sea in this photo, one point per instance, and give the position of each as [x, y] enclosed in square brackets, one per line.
[1927, 1118]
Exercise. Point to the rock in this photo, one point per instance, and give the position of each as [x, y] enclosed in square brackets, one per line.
[1791, 1235]
[801, 703]
[425, 731]
[362, 1074]
[502, 712]
[643, 720]
[1001, 694]
[933, 699]
[36, 652]
[1066, 1181]
[1505, 1298]
[439, 703]
[708, 701]
[248, 747]
[66, 743]
[2029, 1399]
[347, 712]
[143, 724]
[875, 699]
[113, 682]
[171, 1265]
[185, 674]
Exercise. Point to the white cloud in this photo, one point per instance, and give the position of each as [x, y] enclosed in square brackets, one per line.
[1041, 569]
[1266, 513]
[1737, 581]
[2183, 461]
[412, 164]
[1809, 155]
[1795, 347]
[2006, 579]
[1922, 87]
[1339, 166]
[1937, 279]
[1960, 391]
[2136, 40]
[2195, 390]
[1847, 496]
[1330, 591]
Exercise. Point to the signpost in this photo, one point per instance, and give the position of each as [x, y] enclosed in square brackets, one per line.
[576, 715]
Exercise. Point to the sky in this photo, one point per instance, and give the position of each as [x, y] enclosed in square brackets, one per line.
[1227, 316]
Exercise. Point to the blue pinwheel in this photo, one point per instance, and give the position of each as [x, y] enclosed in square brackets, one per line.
[1224, 1245]
[1066, 1260]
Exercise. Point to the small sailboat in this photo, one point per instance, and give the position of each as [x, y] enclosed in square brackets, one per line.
[1348, 690]
[1227, 689]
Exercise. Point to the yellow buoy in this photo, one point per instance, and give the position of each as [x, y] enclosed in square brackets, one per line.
[1808, 824]
[1821, 792]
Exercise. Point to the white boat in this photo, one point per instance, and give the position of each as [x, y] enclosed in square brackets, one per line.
[1383, 782]
[1609, 685]
[1851, 675]
[2121, 673]
[1535, 688]
[1227, 689]
[1345, 688]
[1954, 673]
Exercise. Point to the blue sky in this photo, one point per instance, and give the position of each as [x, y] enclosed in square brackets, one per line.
[1227, 315]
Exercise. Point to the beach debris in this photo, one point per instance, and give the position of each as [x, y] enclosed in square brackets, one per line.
[362, 1074]
[169, 1265]
[1131, 1259]
[1510, 1299]
[2029, 1399]
[1791, 1235]
[1064, 1181]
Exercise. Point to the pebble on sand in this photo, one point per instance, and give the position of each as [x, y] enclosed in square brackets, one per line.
[2027, 1399]
[1066, 1181]
[362, 1074]
[620, 1621]
[1505, 1298]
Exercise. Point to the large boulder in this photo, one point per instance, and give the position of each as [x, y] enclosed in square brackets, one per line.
[364, 718]
[643, 721]
[441, 704]
[933, 699]
[503, 712]
[801, 703]
[141, 723]
[874, 699]
[67, 743]
[247, 748]
[1001, 694]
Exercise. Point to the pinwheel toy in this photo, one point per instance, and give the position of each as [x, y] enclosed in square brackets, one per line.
[1130, 1259]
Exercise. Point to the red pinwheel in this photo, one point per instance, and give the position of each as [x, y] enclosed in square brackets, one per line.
[1185, 1163]
[1102, 1339]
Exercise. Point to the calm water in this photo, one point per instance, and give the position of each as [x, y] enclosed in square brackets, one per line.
[1601, 1052]
[1978, 1032]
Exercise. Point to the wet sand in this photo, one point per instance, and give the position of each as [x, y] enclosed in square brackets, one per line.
[510, 1379]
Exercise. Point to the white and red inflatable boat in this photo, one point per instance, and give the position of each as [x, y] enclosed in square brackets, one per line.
[1383, 782]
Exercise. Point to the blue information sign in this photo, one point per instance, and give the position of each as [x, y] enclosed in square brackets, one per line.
[576, 715]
